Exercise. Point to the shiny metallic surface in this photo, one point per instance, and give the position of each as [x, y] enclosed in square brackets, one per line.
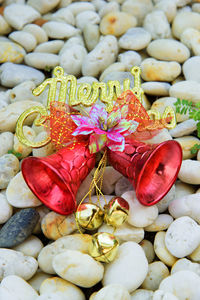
[116, 211]
[89, 216]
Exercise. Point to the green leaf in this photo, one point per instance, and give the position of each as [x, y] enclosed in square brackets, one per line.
[17, 154]
[195, 148]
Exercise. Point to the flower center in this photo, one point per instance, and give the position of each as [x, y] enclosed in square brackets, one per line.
[102, 124]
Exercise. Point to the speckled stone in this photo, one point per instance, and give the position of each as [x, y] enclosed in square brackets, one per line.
[18, 227]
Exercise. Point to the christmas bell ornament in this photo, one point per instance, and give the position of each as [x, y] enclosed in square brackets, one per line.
[103, 247]
[89, 216]
[55, 179]
[116, 211]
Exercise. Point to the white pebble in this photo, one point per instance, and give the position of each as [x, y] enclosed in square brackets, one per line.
[43, 6]
[6, 209]
[78, 7]
[122, 185]
[86, 17]
[4, 26]
[155, 70]
[187, 142]
[191, 67]
[9, 166]
[161, 223]
[168, 7]
[37, 280]
[184, 264]
[135, 39]
[156, 88]
[108, 8]
[11, 52]
[184, 128]
[141, 294]
[67, 289]
[169, 50]
[19, 195]
[125, 232]
[18, 15]
[78, 268]
[22, 90]
[12, 287]
[161, 295]
[183, 189]
[110, 177]
[19, 147]
[100, 57]
[161, 250]
[64, 15]
[115, 67]
[163, 204]
[130, 59]
[41, 60]
[183, 21]
[112, 291]
[30, 247]
[25, 39]
[139, 215]
[157, 25]
[187, 89]
[6, 142]
[45, 150]
[183, 284]
[37, 31]
[77, 54]
[13, 74]
[59, 30]
[130, 263]
[91, 36]
[147, 246]
[50, 47]
[15, 263]
[189, 172]
[182, 237]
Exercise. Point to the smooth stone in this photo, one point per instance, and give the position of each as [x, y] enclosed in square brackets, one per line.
[25, 39]
[116, 67]
[41, 60]
[156, 273]
[45, 150]
[184, 264]
[139, 9]
[19, 195]
[55, 226]
[22, 90]
[91, 36]
[9, 167]
[18, 15]
[161, 295]
[110, 177]
[117, 23]
[130, 263]
[4, 26]
[191, 38]
[157, 25]
[42, 210]
[162, 136]
[111, 292]
[147, 246]
[130, 59]
[196, 7]
[43, 6]
[187, 142]
[18, 228]
[190, 69]
[86, 17]
[183, 21]
[37, 31]
[79, 242]
[78, 268]
[195, 255]
[14, 287]
[59, 30]
[30, 247]
[122, 185]
[79, 7]
[163, 204]
[161, 250]
[19, 147]
[63, 15]
[51, 296]
[100, 57]
[37, 279]
[77, 54]
[50, 47]
[188, 89]
[188, 205]
[85, 186]
[135, 39]
[141, 294]
[139, 215]
[6, 142]
[67, 289]
[182, 237]
[16, 263]
[108, 8]
[189, 172]
[169, 50]
[168, 7]
[6, 209]
[125, 232]
[183, 189]
[13, 74]
[161, 223]
[11, 52]
[184, 128]
[155, 70]
[156, 88]
[183, 284]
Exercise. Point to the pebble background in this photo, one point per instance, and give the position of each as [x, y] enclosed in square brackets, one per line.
[42, 255]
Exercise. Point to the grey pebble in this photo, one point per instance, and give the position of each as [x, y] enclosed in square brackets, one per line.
[18, 228]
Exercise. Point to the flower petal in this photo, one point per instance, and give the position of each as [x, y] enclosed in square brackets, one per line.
[113, 118]
[116, 137]
[83, 130]
[81, 120]
[96, 112]
[116, 146]
[97, 142]
[125, 125]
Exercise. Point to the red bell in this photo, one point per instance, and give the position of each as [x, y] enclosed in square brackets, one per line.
[55, 179]
[152, 169]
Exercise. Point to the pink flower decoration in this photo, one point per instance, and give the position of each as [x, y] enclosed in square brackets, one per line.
[105, 129]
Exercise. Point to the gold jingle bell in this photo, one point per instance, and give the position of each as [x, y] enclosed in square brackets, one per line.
[103, 247]
[89, 216]
[116, 211]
